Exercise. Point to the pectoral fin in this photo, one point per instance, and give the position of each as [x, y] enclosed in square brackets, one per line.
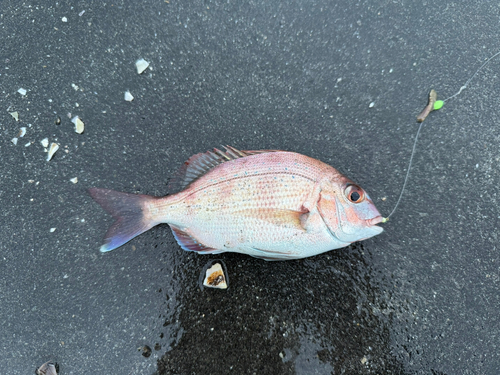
[289, 219]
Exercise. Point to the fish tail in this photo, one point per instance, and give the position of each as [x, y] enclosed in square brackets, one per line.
[130, 212]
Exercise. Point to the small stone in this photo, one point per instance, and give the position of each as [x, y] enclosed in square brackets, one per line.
[52, 150]
[79, 125]
[141, 65]
[64, 19]
[14, 140]
[215, 278]
[372, 104]
[48, 368]
[128, 96]
[52, 230]
[74, 180]
[22, 91]
[146, 351]
[15, 115]
[45, 142]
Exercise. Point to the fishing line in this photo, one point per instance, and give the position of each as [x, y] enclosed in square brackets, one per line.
[470, 79]
[432, 105]
[385, 219]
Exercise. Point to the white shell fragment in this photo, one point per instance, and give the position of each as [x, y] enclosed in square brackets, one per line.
[45, 142]
[52, 230]
[14, 140]
[128, 96]
[52, 150]
[48, 368]
[372, 104]
[15, 115]
[64, 19]
[74, 180]
[214, 277]
[141, 65]
[22, 132]
[79, 125]
[22, 91]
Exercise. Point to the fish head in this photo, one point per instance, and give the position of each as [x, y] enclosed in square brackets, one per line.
[348, 211]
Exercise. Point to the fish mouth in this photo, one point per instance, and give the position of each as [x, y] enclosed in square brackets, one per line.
[374, 221]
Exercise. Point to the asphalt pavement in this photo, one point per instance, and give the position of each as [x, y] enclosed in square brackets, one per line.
[340, 81]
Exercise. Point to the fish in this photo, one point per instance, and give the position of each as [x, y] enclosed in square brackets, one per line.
[269, 204]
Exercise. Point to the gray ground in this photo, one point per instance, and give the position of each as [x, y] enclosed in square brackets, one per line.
[421, 298]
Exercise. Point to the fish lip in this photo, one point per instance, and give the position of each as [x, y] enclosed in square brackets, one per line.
[374, 221]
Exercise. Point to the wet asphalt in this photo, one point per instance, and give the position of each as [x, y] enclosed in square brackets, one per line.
[339, 81]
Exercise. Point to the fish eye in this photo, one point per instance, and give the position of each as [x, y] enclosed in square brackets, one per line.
[355, 194]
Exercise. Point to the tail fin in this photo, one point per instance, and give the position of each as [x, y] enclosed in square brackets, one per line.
[128, 210]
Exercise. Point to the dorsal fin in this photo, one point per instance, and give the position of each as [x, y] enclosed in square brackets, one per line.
[199, 164]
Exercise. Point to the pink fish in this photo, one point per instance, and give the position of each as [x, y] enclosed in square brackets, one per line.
[274, 205]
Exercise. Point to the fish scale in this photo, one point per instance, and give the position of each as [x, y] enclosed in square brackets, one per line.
[269, 204]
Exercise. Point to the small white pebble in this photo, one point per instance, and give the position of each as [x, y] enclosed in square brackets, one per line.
[128, 96]
[52, 230]
[64, 19]
[79, 125]
[14, 140]
[391, 70]
[74, 180]
[81, 13]
[75, 87]
[22, 91]
[45, 142]
[372, 104]
[53, 148]
[22, 132]
[141, 65]
[27, 144]
[15, 115]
